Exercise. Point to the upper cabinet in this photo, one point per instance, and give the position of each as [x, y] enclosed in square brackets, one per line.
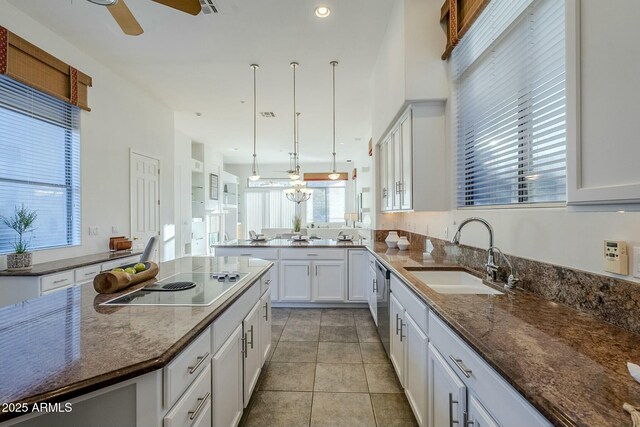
[602, 141]
[412, 161]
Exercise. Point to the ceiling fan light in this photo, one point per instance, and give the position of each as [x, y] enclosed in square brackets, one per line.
[294, 176]
[104, 2]
[254, 177]
[334, 175]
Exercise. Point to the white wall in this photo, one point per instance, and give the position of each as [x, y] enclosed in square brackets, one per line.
[123, 117]
[555, 235]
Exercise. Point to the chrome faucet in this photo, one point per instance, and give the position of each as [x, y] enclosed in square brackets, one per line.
[513, 279]
[491, 267]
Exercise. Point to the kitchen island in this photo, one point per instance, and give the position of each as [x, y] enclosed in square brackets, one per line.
[140, 364]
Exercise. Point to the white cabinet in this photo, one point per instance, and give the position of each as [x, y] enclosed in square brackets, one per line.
[265, 326]
[252, 350]
[416, 369]
[397, 346]
[228, 381]
[194, 407]
[358, 275]
[447, 393]
[328, 282]
[372, 289]
[295, 281]
[413, 150]
[477, 416]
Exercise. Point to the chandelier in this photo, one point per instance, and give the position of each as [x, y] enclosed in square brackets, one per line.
[298, 192]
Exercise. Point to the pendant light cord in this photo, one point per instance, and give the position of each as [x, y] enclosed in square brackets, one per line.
[333, 64]
[254, 169]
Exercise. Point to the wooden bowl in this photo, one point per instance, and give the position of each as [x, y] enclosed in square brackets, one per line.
[110, 282]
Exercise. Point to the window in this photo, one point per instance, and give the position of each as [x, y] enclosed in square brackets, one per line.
[39, 164]
[269, 209]
[509, 77]
[327, 203]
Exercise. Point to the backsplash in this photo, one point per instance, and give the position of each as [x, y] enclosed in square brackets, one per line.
[614, 300]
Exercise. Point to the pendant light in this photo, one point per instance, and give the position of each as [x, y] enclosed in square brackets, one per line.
[254, 167]
[294, 173]
[334, 174]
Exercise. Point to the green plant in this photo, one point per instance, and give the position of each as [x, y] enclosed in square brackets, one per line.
[297, 223]
[21, 222]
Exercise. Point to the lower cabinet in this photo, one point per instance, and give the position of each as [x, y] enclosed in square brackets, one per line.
[416, 369]
[228, 381]
[447, 393]
[397, 345]
[322, 281]
[372, 289]
[295, 281]
[252, 350]
[265, 328]
[358, 279]
[328, 281]
[477, 416]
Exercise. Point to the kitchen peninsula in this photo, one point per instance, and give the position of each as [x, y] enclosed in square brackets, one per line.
[155, 364]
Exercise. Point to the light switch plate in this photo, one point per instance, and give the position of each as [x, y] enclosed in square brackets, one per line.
[636, 261]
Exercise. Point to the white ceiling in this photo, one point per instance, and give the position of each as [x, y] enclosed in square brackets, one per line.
[201, 64]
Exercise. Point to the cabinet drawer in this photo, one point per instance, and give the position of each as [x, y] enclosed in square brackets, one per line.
[116, 263]
[269, 254]
[313, 254]
[502, 401]
[55, 281]
[412, 304]
[86, 274]
[180, 373]
[265, 282]
[194, 405]
[224, 325]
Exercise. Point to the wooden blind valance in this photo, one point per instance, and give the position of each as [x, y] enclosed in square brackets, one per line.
[457, 16]
[324, 176]
[34, 67]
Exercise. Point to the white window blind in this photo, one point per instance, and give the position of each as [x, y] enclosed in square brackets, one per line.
[327, 202]
[269, 209]
[509, 77]
[39, 164]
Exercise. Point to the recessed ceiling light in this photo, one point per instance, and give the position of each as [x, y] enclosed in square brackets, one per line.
[104, 2]
[198, 114]
[322, 11]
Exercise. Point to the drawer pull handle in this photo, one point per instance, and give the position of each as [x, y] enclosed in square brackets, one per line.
[201, 402]
[55, 282]
[268, 282]
[199, 362]
[397, 323]
[401, 329]
[451, 402]
[458, 362]
[251, 332]
[245, 254]
[243, 345]
[266, 311]
[312, 254]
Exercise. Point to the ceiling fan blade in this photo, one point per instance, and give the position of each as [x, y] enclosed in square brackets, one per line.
[191, 7]
[125, 19]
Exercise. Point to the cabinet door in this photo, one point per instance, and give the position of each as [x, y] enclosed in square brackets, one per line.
[406, 135]
[447, 393]
[478, 416]
[227, 381]
[328, 281]
[273, 280]
[265, 325]
[398, 335]
[416, 370]
[390, 181]
[382, 164]
[252, 350]
[358, 275]
[295, 281]
[397, 168]
[372, 295]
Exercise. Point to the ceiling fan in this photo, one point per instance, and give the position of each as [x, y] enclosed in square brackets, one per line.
[128, 22]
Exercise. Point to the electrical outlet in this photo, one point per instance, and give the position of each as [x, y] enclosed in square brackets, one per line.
[93, 231]
[636, 261]
[446, 232]
[114, 229]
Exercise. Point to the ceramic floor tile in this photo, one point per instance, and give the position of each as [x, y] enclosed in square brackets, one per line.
[340, 377]
[281, 376]
[336, 317]
[300, 332]
[382, 378]
[373, 352]
[296, 351]
[305, 315]
[367, 333]
[332, 352]
[279, 316]
[338, 333]
[279, 409]
[276, 331]
[393, 410]
[342, 409]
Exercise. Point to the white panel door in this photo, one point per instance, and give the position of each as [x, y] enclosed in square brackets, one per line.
[252, 350]
[478, 416]
[372, 294]
[397, 344]
[328, 281]
[265, 324]
[295, 281]
[397, 167]
[447, 393]
[390, 184]
[406, 178]
[358, 275]
[228, 397]
[145, 199]
[382, 165]
[416, 369]
[273, 277]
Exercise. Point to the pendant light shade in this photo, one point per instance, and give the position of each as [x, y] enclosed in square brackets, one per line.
[294, 172]
[254, 166]
[334, 174]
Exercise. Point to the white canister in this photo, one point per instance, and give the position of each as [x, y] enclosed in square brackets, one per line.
[392, 239]
[403, 243]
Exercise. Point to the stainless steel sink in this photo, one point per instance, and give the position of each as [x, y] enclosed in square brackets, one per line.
[453, 282]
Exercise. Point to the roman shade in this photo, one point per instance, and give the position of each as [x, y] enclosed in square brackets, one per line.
[457, 16]
[28, 64]
[324, 176]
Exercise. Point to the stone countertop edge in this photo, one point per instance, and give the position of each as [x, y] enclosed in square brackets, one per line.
[287, 243]
[537, 398]
[51, 267]
[88, 385]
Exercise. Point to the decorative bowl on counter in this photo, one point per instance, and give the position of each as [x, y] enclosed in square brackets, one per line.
[392, 239]
[403, 243]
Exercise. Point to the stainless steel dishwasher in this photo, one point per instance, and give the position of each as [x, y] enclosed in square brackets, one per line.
[383, 290]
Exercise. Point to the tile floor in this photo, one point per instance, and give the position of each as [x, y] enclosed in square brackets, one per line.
[327, 367]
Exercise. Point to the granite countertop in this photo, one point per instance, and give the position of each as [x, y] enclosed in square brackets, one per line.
[287, 243]
[64, 344]
[571, 366]
[69, 263]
